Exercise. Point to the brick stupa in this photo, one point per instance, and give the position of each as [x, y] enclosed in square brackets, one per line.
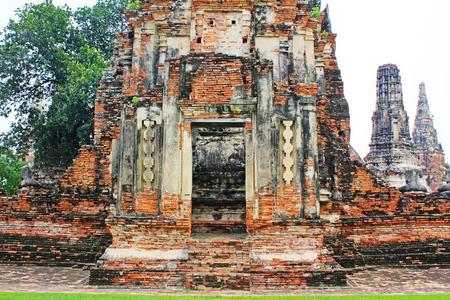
[221, 160]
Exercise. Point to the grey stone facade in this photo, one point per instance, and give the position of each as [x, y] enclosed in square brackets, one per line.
[391, 153]
[428, 148]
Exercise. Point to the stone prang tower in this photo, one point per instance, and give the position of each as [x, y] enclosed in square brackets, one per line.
[391, 153]
[431, 154]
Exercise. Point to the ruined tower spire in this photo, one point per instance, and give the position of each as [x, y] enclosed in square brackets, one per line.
[391, 155]
[424, 134]
[431, 154]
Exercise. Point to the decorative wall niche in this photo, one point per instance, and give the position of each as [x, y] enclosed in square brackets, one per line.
[287, 151]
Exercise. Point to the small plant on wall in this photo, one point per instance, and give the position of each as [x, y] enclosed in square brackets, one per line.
[135, 100]
[315, 12]
[134, 5]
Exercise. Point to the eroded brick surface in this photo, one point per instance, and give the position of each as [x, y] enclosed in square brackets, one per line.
[56, 226]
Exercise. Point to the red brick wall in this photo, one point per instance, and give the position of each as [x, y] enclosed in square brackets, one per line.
[216, 83]
[82, 174]
[60, 225]
[395, 241]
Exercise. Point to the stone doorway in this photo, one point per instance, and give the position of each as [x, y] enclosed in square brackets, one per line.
[218, 179]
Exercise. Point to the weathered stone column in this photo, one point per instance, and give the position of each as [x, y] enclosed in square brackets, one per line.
[299, 146]
[264, 177]
[251, 200]
[136, 59]
[311, 191]
[171, 170]
[127, 164]
[303, 55]
[263, 130]
[163, 64]
[148, 59]
[186, 179]
[307, 147]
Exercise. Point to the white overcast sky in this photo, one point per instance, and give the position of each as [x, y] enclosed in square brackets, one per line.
[410, 33]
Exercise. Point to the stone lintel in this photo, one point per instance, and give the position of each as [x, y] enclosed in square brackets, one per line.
[303, 256]
[134, 253]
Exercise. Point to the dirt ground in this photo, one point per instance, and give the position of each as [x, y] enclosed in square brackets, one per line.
[14, 278]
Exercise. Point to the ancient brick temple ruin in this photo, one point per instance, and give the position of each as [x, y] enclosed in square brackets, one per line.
[391, 155]
[222, 160]
[431, 154]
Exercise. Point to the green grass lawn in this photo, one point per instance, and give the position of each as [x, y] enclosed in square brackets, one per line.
[37, 296]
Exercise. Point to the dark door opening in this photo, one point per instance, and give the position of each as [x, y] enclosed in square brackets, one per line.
[218, 186]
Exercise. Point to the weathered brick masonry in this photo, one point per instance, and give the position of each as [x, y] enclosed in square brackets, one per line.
[63, 225]
[232, 170]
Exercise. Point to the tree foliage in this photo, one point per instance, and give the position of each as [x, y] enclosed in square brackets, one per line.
[35, 52]
[10, 166]
[51, 62]
[100, 23]
[69, 121]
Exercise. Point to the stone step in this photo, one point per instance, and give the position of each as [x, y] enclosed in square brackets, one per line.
[218, 227]
[218, 257]
[218, 242]
[226, 258]
[218, 262]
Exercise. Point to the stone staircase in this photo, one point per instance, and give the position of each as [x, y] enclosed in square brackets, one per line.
[218, 217]
[218, 262]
